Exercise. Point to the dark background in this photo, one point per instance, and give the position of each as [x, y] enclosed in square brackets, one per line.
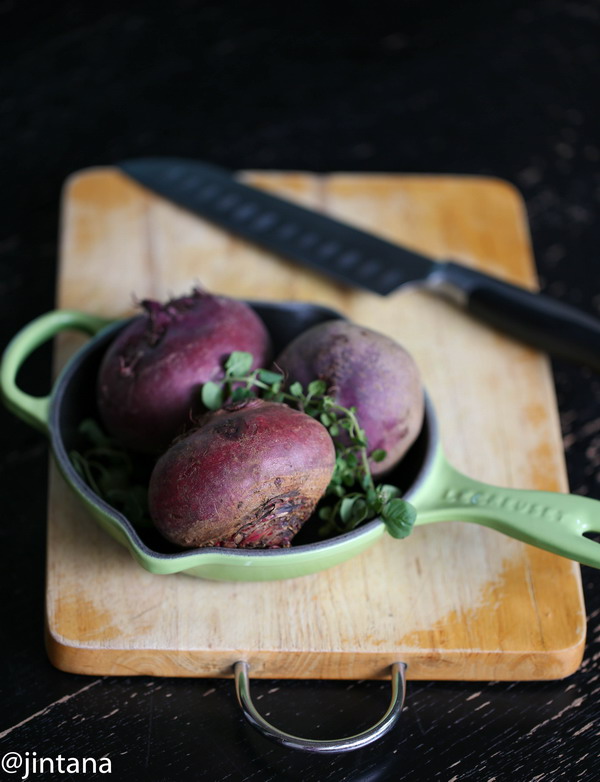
[508, 89]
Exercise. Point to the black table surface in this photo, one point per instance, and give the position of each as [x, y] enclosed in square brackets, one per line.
[506, 89]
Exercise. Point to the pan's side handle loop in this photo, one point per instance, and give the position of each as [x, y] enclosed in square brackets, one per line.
[382, 726]
[549, 520]
[34, 409]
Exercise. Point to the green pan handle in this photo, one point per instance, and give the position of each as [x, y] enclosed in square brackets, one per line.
[551, 521]
[34, 409]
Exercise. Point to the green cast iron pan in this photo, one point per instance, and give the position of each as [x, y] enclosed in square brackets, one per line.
[555, 522]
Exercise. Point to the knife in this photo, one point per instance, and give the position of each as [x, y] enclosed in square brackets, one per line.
[355, 257]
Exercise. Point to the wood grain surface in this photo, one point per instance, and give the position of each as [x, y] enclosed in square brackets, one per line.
[454, 601]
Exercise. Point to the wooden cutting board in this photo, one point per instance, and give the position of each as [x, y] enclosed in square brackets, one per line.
[454, 601]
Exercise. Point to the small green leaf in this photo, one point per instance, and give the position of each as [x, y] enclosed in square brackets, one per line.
[351, 461]
[353, 510]
[359, 512]
[269, 377]
[112, 479]
[84, 469]
[399, 517]
[317, 387]
[239, 363]
[366, 481]
[372, 499]
[296, 389]
[346, 506]
[334, 430]
[325, 419]
[239, 394]
[212, 395]
[378, 455]
[387, 491]
[90, 429]
[325, 512]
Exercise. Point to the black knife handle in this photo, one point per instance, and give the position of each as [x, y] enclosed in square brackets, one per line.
[538, 320]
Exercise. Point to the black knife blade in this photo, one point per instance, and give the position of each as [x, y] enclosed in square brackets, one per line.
[359, 258]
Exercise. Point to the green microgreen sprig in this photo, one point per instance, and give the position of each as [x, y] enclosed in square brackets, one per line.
[110, 472]
[351, 496]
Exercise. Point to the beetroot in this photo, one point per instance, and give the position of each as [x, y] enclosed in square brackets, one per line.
[150, 377]
[365, 370]
[249, 476]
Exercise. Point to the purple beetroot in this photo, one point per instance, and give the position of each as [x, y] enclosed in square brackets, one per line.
[248, 477]
[366, 370]
[150, 377]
